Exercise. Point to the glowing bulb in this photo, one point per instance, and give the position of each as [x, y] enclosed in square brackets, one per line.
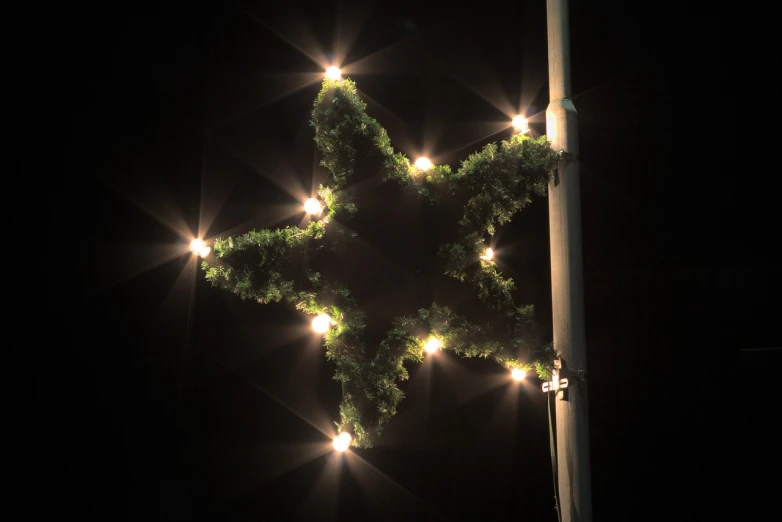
[520, 123]
[342, 441]
[423, 164]
[333, 73]
[196, 245]
[432, 345]
[488, 255]
[312, 206]
[321, 323]
[199, 248]
[518, 374]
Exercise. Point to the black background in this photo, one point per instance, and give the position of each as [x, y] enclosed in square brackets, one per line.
[157, 407]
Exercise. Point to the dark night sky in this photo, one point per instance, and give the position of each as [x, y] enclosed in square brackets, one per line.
[163, 407]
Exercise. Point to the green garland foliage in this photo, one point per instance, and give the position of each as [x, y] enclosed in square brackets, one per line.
[276, 265]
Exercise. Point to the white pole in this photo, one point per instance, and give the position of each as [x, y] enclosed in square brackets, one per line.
[567, 287]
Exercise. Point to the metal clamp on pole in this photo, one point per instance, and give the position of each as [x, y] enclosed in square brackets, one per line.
[566, 372]
[555, 384]
[573, 374]
[567, 155]
[561, 378]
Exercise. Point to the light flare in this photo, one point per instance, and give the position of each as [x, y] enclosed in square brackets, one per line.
[423, 164]
[520, 123]
[432, 345]
[342, 442]
[333, 73]
[199, 248]
[321, 323]
[313, 207]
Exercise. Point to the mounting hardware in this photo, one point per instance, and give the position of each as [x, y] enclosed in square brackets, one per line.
[555, 384]
[566, 372]
[561, 379]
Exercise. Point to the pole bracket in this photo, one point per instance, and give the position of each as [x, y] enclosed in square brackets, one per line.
[572, 373]
[561, 378]
[555, 384]
[567, 155]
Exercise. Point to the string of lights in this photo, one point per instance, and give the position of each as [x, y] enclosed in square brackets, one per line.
[262, 264]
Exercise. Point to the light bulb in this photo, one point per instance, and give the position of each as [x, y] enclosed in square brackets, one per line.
[196, 245]
[518, 374]
[423, 164]
[321, 323]
[488, 254]
[342, 441]
[432, 345]
[333, 73]
[520, 123]
[199, 248]
[312, 206]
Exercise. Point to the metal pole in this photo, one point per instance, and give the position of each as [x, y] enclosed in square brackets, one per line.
[567, 287]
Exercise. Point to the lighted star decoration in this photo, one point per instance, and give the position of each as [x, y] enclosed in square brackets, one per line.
[183, 289]
[291, 264]
[473, 73]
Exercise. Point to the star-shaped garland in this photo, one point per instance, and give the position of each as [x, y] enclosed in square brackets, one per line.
[274, 265]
